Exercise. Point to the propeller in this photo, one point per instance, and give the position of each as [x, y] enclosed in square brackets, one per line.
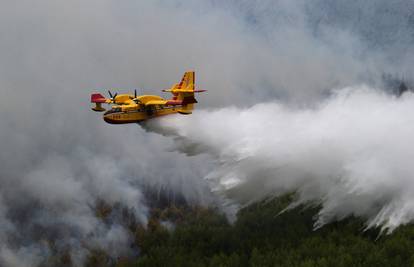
[112, 96]
[135, 93]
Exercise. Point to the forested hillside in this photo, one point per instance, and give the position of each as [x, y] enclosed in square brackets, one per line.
[196, 236]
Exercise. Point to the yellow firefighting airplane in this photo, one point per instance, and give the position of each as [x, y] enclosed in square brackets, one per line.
[128, 108]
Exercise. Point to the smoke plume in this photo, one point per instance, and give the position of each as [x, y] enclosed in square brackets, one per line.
[351, 154]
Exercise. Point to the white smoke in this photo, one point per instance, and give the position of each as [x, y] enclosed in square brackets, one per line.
[352, 153]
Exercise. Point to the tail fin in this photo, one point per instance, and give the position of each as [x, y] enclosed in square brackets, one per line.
[185, 89]
[184, 92]
[188, 81]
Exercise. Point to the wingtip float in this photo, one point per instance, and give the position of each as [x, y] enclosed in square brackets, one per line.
[131, 108]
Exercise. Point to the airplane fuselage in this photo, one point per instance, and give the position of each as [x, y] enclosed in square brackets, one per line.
[116, 116]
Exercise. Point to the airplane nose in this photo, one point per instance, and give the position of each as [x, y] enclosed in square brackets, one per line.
[108, 119]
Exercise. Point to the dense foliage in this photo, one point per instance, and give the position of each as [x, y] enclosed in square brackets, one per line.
[194, 236]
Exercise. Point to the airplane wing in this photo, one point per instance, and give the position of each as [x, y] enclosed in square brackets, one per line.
[98, 98]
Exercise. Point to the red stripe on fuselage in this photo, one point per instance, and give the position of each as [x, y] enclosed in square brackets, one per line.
[174, 102]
